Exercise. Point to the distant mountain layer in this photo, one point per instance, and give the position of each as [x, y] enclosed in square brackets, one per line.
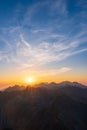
[51, 106]
[47, 85]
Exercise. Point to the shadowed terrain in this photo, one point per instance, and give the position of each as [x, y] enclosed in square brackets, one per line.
[47, 107]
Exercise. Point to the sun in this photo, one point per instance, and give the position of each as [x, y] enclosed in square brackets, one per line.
[30, 80]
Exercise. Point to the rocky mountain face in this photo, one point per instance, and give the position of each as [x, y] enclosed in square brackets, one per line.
[48, 107]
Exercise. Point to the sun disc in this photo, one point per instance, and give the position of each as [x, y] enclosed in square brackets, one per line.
[30, 80]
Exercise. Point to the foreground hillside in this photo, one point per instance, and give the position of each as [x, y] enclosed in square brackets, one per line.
[48, 107]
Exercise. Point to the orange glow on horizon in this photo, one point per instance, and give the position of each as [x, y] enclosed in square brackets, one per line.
[30, 80]
[36, 78]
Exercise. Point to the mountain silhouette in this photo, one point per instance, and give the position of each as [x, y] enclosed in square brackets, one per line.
[47, 106]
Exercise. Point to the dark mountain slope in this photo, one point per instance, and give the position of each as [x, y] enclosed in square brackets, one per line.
[59, 108]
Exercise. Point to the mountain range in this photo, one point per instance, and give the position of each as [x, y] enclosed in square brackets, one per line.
[45, 106]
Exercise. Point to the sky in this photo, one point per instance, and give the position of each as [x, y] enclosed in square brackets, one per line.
[43, 39]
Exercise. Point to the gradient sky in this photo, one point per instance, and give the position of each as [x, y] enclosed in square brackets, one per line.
[46, 39]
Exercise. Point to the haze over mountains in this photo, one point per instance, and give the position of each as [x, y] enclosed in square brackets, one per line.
[47, 106]
[47, 85]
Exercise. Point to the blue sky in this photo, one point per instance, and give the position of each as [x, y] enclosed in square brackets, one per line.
[42, 37]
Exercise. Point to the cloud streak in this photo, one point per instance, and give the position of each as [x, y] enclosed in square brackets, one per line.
[35, 43]
[35, 56]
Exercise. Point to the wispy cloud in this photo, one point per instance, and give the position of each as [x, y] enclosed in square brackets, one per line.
[31, 44]
[59, 70]
[47, 72]
[59, 7]
[33, 56]
[54, 72]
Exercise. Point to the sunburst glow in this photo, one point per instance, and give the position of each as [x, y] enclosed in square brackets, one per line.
[30, 80]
